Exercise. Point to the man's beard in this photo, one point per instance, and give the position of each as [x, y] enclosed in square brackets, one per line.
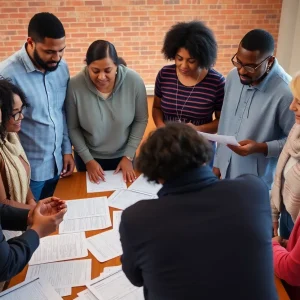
[44, 65]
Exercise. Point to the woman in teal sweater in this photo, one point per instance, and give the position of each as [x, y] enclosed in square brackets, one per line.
[107, 113]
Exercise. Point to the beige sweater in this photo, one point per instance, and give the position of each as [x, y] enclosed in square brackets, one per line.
[286, 188]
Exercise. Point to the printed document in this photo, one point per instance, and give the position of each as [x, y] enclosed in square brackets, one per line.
[142, 185]
[112, 182]
[221, 139]
[60, 247]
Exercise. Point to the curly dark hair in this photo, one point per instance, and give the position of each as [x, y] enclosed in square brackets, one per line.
[7, 91]
[171, 150]
[194, 36]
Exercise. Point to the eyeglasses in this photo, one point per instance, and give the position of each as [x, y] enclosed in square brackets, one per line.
[247, 68]
[18, 114]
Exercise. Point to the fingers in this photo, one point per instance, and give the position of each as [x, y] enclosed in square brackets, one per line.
[68, 170]
[117, 169]
[60, 214]
[124, 175]
[131, 176]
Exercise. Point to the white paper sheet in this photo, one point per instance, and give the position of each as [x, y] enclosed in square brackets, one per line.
[60, 247]
[89, 207]
[143, 186]
[84, 224]
[11, 234]
[87, 295]
[64, 291]
[117, 219]
[35, 289]
[221, 139]
[64, 274]
[112, 182]
[116, 287]
[124, 198]
[106, 245]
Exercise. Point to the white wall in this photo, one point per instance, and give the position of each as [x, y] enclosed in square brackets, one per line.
[288, 47]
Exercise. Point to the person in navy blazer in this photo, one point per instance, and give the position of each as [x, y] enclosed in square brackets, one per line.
[203, 238]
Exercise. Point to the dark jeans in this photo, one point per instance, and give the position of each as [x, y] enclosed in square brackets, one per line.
[286, 224]
[106, 164]
[43, 189]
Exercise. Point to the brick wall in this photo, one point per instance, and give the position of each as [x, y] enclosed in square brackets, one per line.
[137, 27]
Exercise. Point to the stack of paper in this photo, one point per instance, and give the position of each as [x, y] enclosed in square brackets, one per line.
[87, 294]
[117, 219]
[112, 182]
[11, 234]
[34, 289]
[122, 199]
[86, 214]
[105, 246]
[115, 286]
[64, 274]
[142, 185]
[60, 247]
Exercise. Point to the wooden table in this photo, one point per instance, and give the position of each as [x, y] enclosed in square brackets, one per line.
[74, 187]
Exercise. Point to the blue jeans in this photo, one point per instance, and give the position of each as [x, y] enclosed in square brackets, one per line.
[106, 164]
[43, 189]
[213, 145]
[286, 224]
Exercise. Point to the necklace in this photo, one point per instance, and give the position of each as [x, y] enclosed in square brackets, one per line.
[186, 100]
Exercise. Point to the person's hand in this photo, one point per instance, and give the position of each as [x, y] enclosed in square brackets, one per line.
[69, 165]
[275, 228]
[31, 202]
[46, 224]
[192, 126]
[95, 171]
[280, 240]
[49, 206]
[217, 172]
[246, 147]
[127, 169]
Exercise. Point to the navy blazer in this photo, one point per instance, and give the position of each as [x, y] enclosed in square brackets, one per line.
[16, 252]
[203, 238]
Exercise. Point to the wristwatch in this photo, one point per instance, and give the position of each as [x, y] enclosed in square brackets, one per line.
[129, 158]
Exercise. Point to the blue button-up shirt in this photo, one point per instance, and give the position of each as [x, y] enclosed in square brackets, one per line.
[260, 113]
[44, 133]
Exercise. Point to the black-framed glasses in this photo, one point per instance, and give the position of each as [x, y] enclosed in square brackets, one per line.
[16, 116]
[247, 68]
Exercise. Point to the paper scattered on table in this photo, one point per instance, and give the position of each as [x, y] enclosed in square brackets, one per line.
[64, 274]
[124, 198]
[105, 246]
[95, 212]
[34, 289]
[11, 234]
[117, 219]
[60, 247]
[89, 207]
[221, 139]
[64, 291]
[87, 294]
[115, 286]
[112, 182]
[142, 185]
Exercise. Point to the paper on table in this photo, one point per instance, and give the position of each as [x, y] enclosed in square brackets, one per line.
[64, 291]
[106, 245]
[35, 289]
[115, 287]
[84, 224]
[221, 139]
[88, 207]
[60, 247]
[87, 294]
[11, 234]
[124, 198]
[63, 274]
[112, 182]
[117, 219]
[142, 185]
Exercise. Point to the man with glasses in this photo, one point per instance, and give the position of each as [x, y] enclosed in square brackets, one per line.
[255, 110]
[38, 69]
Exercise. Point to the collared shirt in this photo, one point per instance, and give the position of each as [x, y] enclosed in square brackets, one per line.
[44, 133]
[260, 113]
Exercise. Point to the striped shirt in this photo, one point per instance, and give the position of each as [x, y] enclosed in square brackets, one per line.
[180, 102]
[44, 134]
